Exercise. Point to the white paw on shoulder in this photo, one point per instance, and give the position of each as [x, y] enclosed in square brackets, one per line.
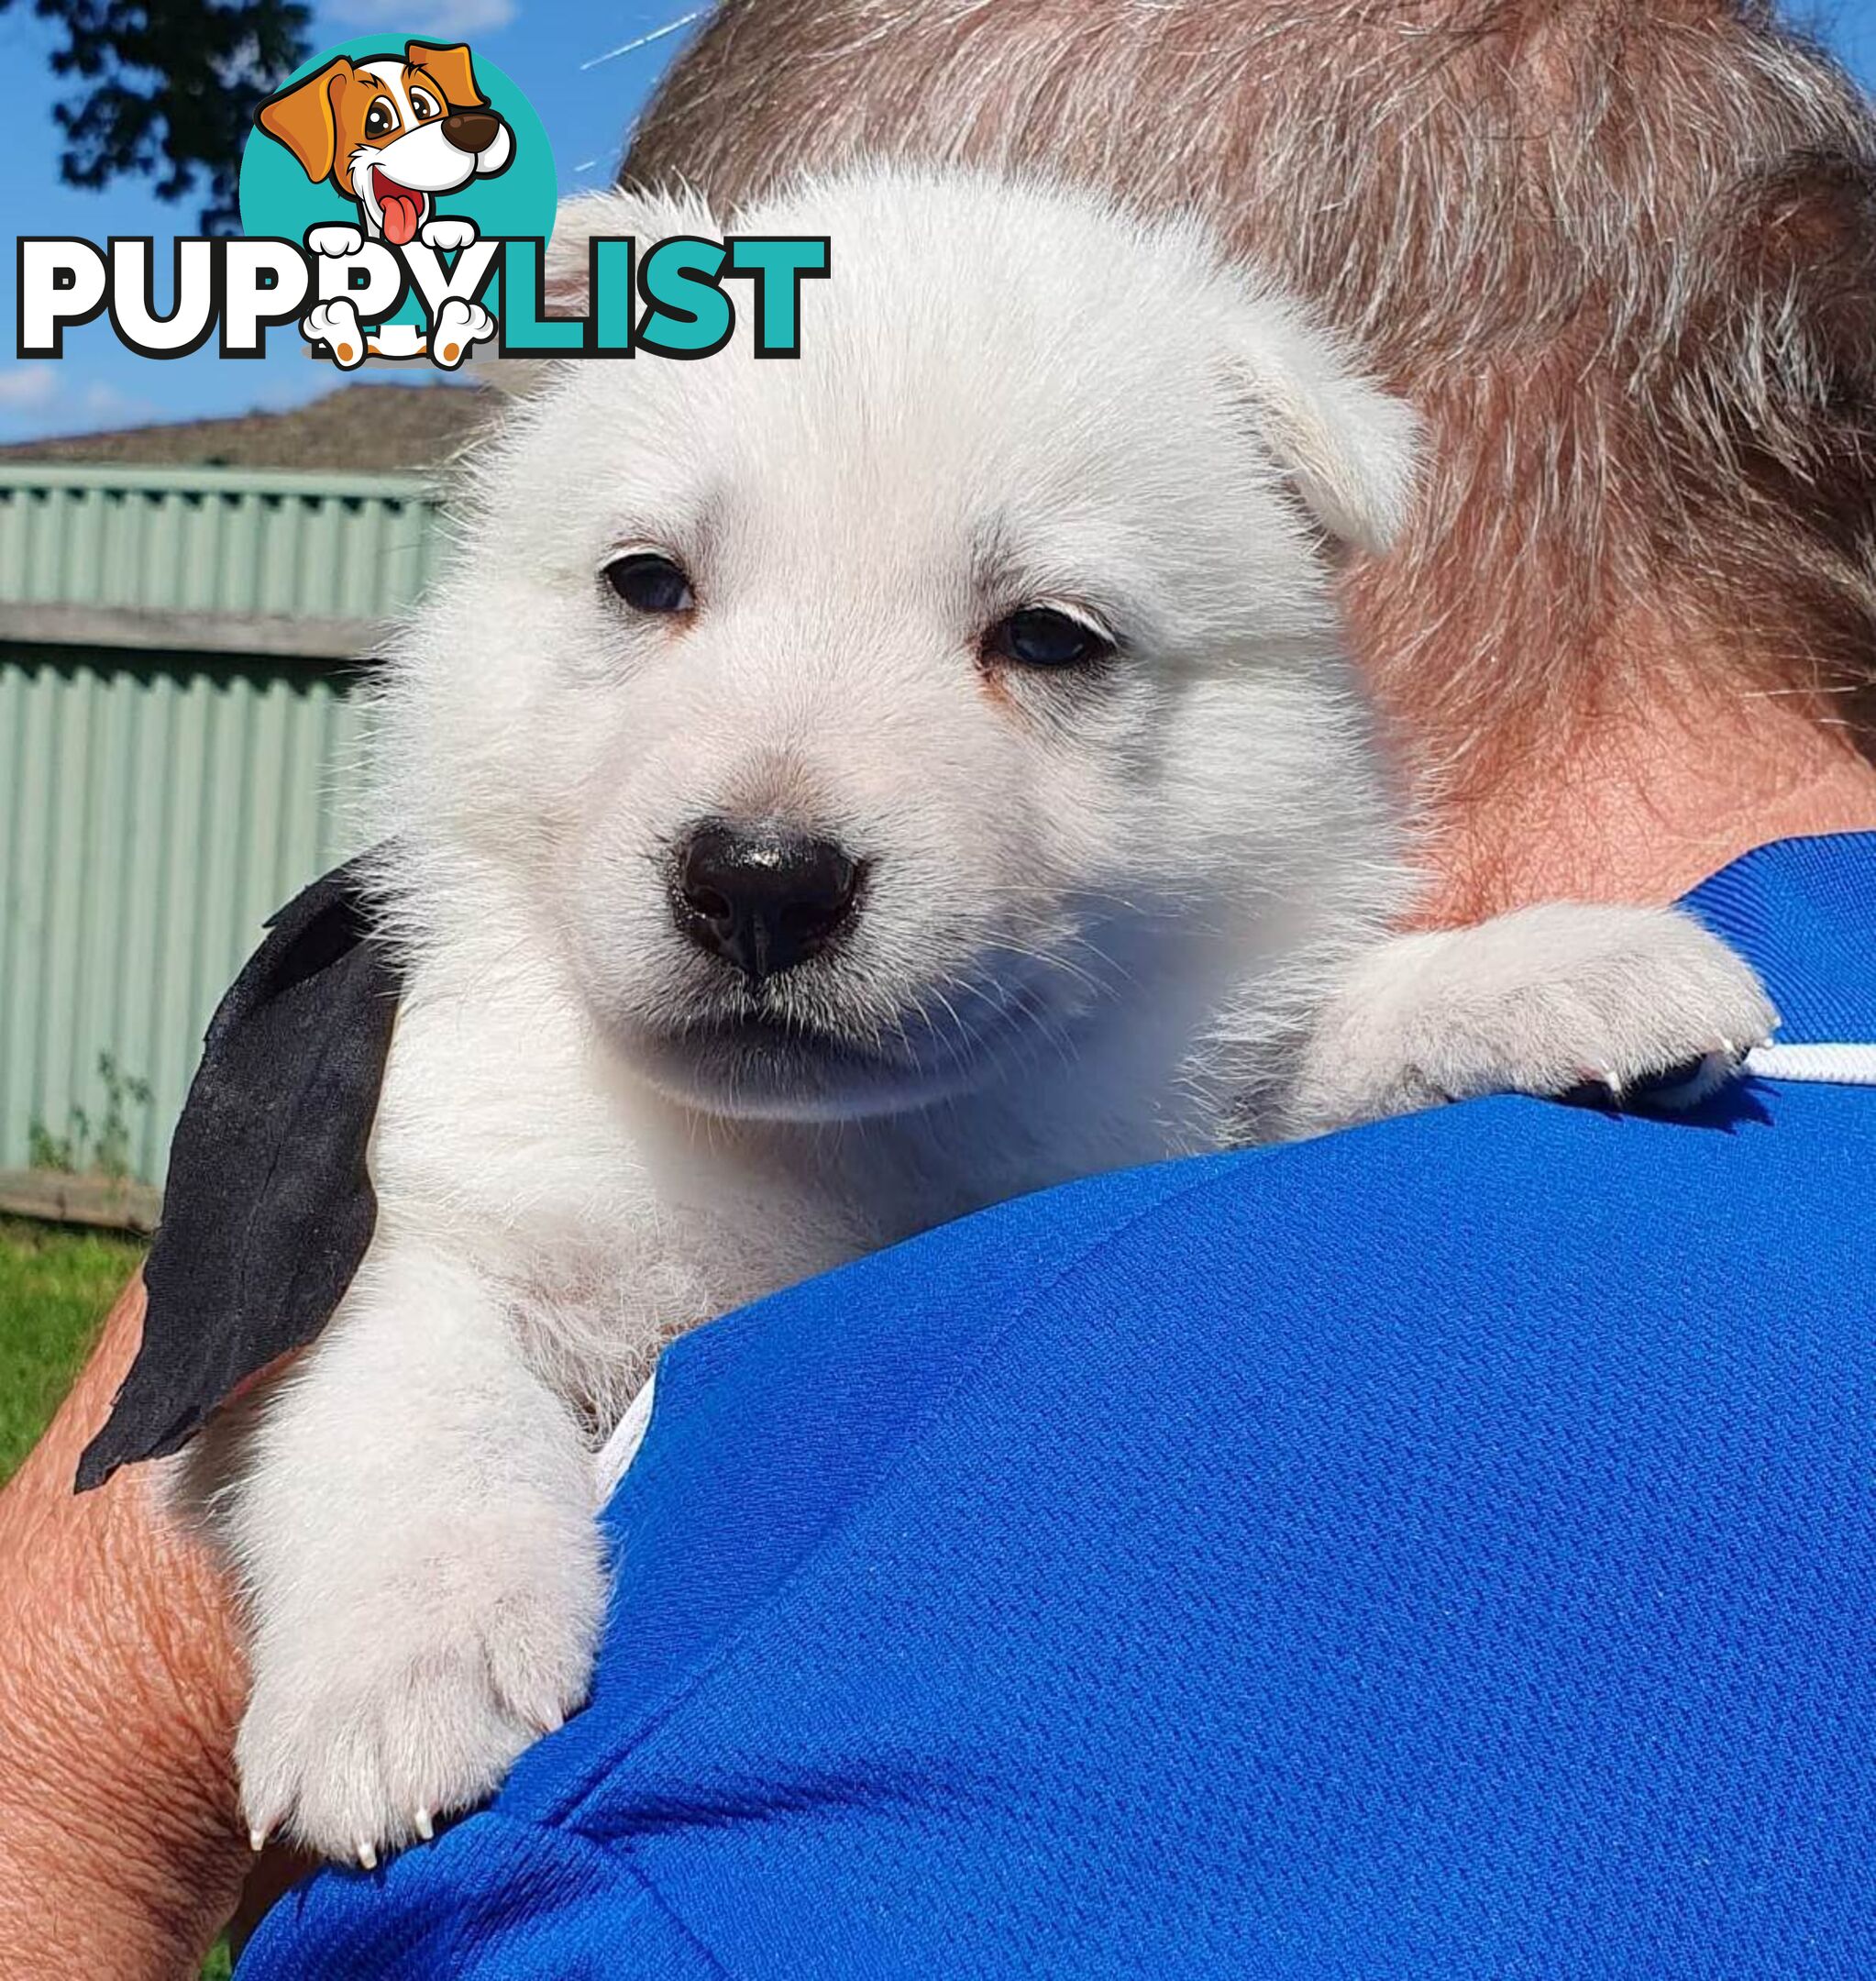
[447, 235]
[408, 1693]
[1541, 1002]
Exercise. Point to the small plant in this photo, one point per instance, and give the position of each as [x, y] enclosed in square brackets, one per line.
[44, 1150]
[88, 1149]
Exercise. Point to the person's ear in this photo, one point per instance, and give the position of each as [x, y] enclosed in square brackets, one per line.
[301, 118]
[646, 216]
[1348, 448]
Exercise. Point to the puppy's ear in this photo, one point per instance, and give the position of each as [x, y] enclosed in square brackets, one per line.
[1349, 448]
[646, 216]
[449, 69]
[301, 117]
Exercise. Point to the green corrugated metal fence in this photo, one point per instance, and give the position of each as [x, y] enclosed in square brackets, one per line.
[176, 650]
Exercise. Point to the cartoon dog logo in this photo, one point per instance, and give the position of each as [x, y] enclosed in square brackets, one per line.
[392, 134]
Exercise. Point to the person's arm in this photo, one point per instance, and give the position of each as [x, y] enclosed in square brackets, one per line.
[120, 1684]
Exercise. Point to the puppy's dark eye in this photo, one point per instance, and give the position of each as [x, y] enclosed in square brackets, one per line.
[650, 583]
[425, 104]
[1041, 636]
[380, 119]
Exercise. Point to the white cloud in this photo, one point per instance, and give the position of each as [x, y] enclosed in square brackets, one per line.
[103, 402]
[25, 388]
[453, 20]
[55, 398]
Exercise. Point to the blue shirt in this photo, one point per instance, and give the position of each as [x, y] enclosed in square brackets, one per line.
[1440, 1552]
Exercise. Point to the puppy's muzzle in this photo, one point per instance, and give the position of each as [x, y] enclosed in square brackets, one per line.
[763, 896]
[472, 130]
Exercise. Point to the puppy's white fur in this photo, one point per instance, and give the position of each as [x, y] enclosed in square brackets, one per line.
[1109, 918]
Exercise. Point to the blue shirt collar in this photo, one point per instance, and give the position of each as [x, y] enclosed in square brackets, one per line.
[1802, 912]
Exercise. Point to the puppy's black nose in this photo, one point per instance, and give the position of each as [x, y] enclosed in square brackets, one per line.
[471, 130]
[762, 896]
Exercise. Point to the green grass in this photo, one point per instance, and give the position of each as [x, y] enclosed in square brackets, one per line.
[56, 1285]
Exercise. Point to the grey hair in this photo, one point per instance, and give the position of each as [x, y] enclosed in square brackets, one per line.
[1622, 253]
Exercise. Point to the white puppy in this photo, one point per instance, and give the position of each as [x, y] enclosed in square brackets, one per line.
[829, 796]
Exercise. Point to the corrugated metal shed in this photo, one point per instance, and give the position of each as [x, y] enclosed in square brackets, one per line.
[176, 650]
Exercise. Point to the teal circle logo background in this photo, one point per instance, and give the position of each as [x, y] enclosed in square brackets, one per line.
[277, 198]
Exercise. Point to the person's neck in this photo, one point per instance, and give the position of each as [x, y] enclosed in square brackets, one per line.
[1641, 805]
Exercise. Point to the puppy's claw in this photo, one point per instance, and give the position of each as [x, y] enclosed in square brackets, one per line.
[367, 1856]
[423, 1825]
[257, 1838]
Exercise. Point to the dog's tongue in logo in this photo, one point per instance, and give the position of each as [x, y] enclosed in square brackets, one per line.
[402, 209]
[392, 133]
[374, 155]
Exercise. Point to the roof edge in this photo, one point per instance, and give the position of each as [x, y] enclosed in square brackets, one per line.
[390, 485]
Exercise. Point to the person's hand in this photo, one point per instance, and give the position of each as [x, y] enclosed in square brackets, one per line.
[121, 1854]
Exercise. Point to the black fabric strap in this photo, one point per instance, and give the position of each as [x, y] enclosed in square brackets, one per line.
[269, 1207]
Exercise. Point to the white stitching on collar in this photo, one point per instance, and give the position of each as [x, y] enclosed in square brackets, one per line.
[1843, 1066]
[615, 1457]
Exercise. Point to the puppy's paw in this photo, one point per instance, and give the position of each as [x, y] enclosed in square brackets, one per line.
[381, 1706]
[446, 234]
[458, 325]
[1545, 1001]
[336, 326]
[337, 240]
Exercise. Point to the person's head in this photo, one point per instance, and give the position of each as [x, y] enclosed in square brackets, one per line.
[1622, 254]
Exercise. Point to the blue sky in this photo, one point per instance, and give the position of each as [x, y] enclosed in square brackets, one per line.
[561, 54]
